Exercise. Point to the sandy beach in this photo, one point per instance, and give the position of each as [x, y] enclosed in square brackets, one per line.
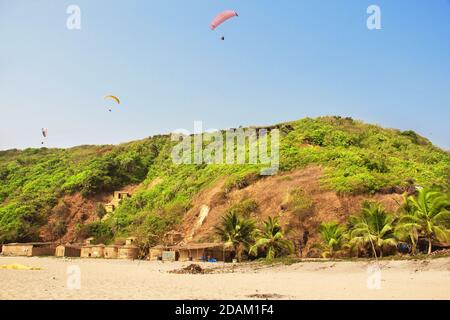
[118, 279]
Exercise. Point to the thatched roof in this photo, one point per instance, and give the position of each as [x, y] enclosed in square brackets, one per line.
[198, 246]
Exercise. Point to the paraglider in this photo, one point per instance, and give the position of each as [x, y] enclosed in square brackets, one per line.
[117, 100]
[44, 134]
[221, 18]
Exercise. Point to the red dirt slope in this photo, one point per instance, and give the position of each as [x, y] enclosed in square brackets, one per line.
[272, 195]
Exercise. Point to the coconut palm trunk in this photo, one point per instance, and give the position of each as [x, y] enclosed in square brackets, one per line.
[237, 252]
[373, 248]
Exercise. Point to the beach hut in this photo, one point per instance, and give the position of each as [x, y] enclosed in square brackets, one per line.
[128, 252]
[111, 252]
[93, 251]
[29, 249]
[98, 251]
[164, 253]
[204, 252]
[68, 250]
[85, 252]
[155, 253]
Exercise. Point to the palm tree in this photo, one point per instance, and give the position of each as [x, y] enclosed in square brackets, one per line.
[373, 227]
[272, 240]
[332, 235]
[428, 216]
[236, 232]
[406, 229]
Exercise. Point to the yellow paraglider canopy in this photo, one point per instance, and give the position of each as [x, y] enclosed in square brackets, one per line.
[114, 98]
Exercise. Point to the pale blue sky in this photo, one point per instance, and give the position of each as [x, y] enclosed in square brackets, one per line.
[281, 60]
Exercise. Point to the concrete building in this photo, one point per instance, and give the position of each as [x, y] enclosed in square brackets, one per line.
[117, 198]
[155, 253]
[29, 249]
[111, 252]
[93, 251]
[68, 250]
[130, 252]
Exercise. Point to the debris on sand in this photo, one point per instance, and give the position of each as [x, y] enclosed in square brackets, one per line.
[442, 252]
[265, 296]
[191, 269]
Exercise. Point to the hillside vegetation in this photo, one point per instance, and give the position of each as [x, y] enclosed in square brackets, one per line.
[357, 159]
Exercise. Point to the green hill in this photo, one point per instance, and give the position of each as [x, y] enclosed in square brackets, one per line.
[356, 158]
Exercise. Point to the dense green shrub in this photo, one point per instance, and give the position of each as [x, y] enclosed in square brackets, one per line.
[100, 231]
[241, 180]
[244, 208]
[299, 203]
[100, 210]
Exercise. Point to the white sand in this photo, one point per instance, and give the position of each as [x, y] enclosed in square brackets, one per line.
[117, 279]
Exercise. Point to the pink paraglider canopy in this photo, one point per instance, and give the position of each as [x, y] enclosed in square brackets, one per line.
[222, 17]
